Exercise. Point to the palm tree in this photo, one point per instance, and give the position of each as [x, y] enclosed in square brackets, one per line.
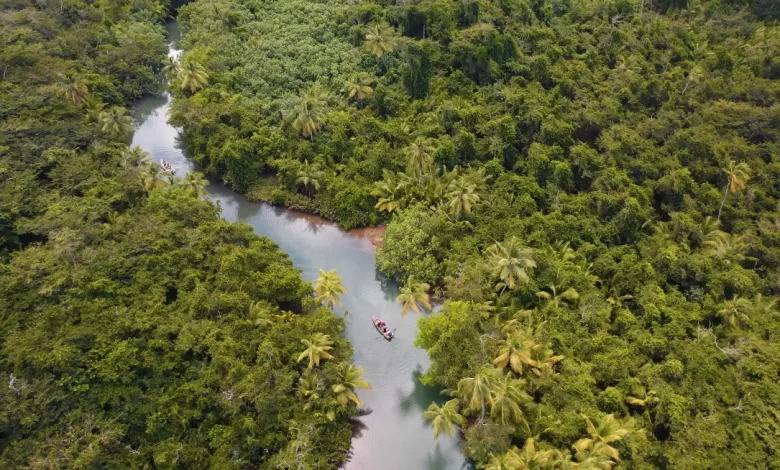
[508, 397]
[380, 40]
[317, 348]
[608, 431]
[509, 261]
[418, 157]
[598, 457]
[738, 176]
[515, 351]
[562, 252]
[310, 113]
[727, 247]
[309, 389]
[349, 379]
[73, 89]
[553, 298]
[763, 306]
[694, 76]
[154, 178]
[462, 196]
[93, 108]
[309, 176]
[115, 122]
[413, 295]
[735, 311]
[544, 360]
[171, 67]
[359, 87]
[643, 398]
[328, 288]
[445, 418]
[477, 390]
[193, 76]
[526, 459]
[196, 183]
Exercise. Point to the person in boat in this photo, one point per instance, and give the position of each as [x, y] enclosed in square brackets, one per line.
[381, 325]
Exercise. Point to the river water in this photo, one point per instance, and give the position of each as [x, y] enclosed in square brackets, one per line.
[393, 435]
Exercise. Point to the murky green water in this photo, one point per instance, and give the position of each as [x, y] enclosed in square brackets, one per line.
[394, 435]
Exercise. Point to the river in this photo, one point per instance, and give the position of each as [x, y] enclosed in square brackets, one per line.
[393, 435]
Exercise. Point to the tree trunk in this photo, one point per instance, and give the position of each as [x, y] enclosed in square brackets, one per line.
[482, 418]
[687, 82]
[723, 201]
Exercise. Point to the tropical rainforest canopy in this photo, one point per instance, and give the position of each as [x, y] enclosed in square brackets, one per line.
[591, 187]
[137, 328]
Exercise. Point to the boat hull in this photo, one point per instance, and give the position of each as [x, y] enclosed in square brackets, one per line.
[387, 336]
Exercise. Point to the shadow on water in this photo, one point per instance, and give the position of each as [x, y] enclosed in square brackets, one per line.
[421, 397]
[149, 106]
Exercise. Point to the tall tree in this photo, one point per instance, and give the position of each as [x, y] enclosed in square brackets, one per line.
[196, 183]
[310, 113]
[328, 288]
[608, 431]
[193, 76]
[380, 40]
[510, 261]
[171, 67]
[478, 390]
[738, 176]
[348, 379]
[509, 398]
[317, 347]
[359, 86]
[462, 196]
[735, 312]
[73, 89]
[419, 159]
[516, 350]
[115, 122]
[309, 177]
[413, 295]
[445, 418]
[694, 76]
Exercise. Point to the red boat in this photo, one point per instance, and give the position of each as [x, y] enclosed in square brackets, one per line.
[383, 329]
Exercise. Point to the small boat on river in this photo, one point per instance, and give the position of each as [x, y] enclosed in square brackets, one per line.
[383, 329]
[167, 167]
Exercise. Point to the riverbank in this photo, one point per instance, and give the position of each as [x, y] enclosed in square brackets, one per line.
[397, 400]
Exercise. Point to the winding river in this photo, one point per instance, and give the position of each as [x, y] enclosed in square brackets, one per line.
[393, 435]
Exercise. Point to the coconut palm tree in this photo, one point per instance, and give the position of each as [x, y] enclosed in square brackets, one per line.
[317, 348]
[328, 288]
[154, 178]
[526, 459]
[509, 261]
[196, 183]
[735, 312]
[390, 192]
[598, 457]
[349, 378]
[608, 431]
[310, 113]
[516, 350]
[445, 418]
[477, 390]
[462, 196]
[544, 360]
[309, 177]
[727, 247]
[171, 67]
[73, 89]
[115, 122]
[694, 76]
[193, 76]
[359, 86]
[553, 299]
[419, 159]
[413, 295]
[380, 40]
[738, 177]
[763, 306]
[93, 107]
[508, 398]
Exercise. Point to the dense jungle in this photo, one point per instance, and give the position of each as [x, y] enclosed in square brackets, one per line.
[137, 328]
[590, 191]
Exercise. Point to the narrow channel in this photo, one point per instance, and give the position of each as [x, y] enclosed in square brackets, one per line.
[393, 435]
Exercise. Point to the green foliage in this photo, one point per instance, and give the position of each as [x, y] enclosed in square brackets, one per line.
[137, 328]
[616, 202]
